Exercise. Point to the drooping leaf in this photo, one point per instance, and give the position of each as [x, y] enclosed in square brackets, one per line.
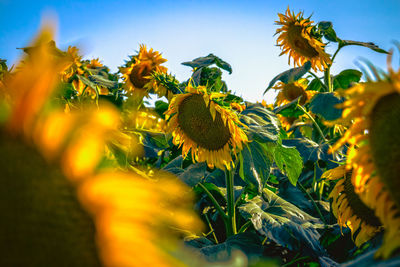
[86, 81]
[289, 161]
[216, 177]
[262, 124]
[290, 75]
[369, 45]
[286, 225]
[103, 82]
[326, 28]
[194, 174]
[207, 61]
[248, 243]
[368, 259]
[324, 104]
[345, 79]
[311, 151]
[175, 163]
[254, 165]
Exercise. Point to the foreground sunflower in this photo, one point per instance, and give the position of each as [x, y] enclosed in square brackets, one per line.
[199, 124]
[296, 40]
[58, 208]
[372, 113]
[138, 72]
[349, 209]
[291, 91]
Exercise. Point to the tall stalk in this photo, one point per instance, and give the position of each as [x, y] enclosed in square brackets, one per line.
[230, 203]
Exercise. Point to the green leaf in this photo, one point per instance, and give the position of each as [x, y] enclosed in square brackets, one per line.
[323, 104]
[290, 75]
[86, 81]
[290, 109]
[289, 161]
[223, 254]
[326, 28]
[345, 79]
[369, 45]
[194, 174]
[315, 85]
[161, 107]
[255, 164]
[103, 82]
[262, 123]
[285, 224]
[207, 61]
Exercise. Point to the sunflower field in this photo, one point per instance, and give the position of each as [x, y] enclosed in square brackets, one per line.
[93, 174]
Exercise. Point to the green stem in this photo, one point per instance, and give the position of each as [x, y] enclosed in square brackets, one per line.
[230, 202]
[215, 202]
[313, 121]
[313, 201]
[211, 228]
[328, 78]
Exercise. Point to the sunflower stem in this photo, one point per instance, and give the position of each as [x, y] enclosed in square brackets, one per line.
[215, 202]
[211, 228]
[230, 202]
[313, 121]
[312, 201]
[328, 79]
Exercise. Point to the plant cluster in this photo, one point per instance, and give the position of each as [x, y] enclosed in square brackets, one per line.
[92, 174]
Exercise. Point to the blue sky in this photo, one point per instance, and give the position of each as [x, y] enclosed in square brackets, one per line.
[240, 32]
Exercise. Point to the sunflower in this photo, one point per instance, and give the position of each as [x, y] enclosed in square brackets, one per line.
[296, 39]
[209, 130]
[138, 74]
[292, 90]
[372, 114]
[75, 60]
[349, 209]
[94, 63]
[57, 206]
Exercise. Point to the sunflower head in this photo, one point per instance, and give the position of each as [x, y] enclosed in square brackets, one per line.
[349, 209]
[292, 90]
[199, 124]
[296, 40]
[138, 72]
[58, 206]
[94, 63]
[372, 113]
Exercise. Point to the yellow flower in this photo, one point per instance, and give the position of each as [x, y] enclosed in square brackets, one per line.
[74, 58]
[372, 114]
[349, 209]
[292, 90]
[209, 130]
[138, 74]
[57, 206]
[94, 63]
[295, 39]
[238, 107]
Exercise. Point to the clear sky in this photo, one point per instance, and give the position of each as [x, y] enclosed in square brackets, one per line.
[239, 32]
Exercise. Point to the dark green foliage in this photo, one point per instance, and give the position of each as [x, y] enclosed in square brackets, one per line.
[324, 104]
[346, 78]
